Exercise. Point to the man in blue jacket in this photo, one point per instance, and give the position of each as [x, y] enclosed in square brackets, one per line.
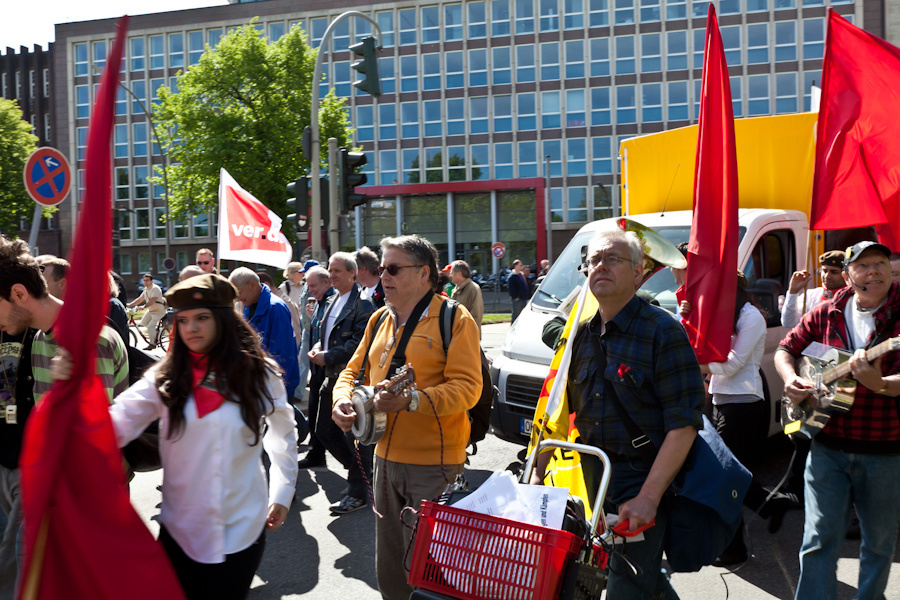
[518, 289]
[271, 318]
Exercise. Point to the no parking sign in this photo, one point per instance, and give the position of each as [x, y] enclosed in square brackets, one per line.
[498, 249]
[47, 176]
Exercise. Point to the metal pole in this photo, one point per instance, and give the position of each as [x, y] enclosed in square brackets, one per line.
[547, 212]
[35, 225]
[314, 166]
[334, 229]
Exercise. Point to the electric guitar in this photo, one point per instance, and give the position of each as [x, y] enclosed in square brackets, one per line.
[370, 424]
[834, 389]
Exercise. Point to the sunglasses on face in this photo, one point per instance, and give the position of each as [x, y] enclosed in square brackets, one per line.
[203, 262]
[394, 269]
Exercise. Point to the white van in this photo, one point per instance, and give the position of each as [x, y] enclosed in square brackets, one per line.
[772, 247]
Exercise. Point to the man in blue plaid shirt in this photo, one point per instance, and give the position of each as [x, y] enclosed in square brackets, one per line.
[640, 346]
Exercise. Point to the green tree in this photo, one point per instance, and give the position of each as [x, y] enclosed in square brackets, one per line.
[243, 107]
[16, 144]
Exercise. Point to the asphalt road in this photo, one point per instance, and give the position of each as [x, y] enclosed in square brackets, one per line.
[317, 556]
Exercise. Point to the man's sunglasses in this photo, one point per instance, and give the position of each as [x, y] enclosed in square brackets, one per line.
[394, 269]
[203, 262]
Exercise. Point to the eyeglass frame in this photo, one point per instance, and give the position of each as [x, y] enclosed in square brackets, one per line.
[605, 259]
[393, 270]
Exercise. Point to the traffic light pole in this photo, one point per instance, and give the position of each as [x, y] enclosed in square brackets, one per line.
[314, 161]
[334, 229]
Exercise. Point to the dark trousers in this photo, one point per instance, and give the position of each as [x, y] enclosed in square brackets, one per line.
[229, 580]
[342, 445]
[316, 448]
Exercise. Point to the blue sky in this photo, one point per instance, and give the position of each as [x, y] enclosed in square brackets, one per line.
[27, 24]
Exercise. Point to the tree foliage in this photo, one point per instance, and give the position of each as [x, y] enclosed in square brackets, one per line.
[16, 144]
[244, 107]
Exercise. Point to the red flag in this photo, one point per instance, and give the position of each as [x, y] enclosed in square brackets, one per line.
[857, 176]
[711, 279]
[83, 538]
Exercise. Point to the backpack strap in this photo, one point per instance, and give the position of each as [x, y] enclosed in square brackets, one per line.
[447, 315]
[362, 369]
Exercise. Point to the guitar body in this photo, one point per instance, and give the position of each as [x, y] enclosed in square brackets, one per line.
[835, 395]
[370, 424]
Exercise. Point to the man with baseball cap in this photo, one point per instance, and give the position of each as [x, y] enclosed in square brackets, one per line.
[832, 265]
[854, 461]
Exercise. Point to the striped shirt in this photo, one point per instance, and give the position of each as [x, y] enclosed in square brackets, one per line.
[112, 362]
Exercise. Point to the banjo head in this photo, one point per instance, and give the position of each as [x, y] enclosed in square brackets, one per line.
[368, 426]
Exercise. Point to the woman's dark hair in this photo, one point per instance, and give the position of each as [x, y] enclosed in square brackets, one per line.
[240, 366]
[741, 298]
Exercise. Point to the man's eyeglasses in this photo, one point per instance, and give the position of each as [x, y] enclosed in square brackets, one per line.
[394, 269]
[203, 262]
[610, 260]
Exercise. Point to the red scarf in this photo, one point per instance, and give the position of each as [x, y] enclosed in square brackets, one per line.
[206, 396]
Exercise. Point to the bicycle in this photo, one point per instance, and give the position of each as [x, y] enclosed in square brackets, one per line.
[163, 330]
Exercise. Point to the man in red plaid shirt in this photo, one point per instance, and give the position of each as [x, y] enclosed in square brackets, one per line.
[855, 460]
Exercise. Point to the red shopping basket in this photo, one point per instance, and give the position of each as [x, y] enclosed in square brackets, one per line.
[479, 557]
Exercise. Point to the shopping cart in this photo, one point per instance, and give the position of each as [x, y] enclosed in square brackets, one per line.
[471, 556]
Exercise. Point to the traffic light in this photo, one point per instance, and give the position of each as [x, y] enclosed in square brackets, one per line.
[300, 203]
[367, 66]
[348, 179]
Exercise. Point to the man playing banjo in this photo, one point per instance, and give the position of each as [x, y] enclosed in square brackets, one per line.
[856, 457]
[426, 430]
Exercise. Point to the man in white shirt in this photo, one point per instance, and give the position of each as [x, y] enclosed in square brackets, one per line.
[152, 296]
[367, 275]
[830, 270]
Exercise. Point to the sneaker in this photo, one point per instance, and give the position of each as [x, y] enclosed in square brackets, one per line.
[348, 504]
[150, 347]
[311, 462]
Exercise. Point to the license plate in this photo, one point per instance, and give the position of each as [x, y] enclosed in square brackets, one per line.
[525, 426]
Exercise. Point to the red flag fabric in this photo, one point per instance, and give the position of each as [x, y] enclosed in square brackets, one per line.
[711, 278]
[857, 175]
[83, 538]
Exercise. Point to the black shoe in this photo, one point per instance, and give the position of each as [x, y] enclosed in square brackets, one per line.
[774, 510]
[311, 462]
[731, 558]
[348, 504]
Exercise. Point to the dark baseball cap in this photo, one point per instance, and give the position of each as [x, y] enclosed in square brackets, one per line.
[309, 265]
[202, 291]
[854, 251]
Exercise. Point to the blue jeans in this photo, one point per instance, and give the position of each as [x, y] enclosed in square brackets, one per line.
[833, 481]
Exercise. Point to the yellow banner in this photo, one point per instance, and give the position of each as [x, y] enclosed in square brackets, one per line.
[776, 156]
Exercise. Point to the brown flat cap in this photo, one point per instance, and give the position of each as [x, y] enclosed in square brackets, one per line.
[832, 258]
[202, 291]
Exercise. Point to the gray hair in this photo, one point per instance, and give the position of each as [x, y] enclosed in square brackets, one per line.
[635, 245]
[367, 260]
[346, 258]
[189, 271]
[242, 276]
[461, 267]
[318, 272]
[420, 251]
[292, 268]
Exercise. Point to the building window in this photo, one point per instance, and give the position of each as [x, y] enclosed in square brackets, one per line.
[525, 63]
[785, 41]
[214, 36]
[385, 20]
[729, 7]
[456, 116]
[598, 15]
[141, 186]
[176, 50]
[625, 55]
[678, 101]
[757, 6]
[790, 4]
[481, 162]
[599, 57]
[157, 52]
[142, 224]
[527, 157]
[813, 38]
[125, 259]
[557, 212]
[387, 73]
[125, 229]
[526, 113]
[32, 88]
[409, 120]
[576, 157]
[456, 163]
[365, 126]
[650, 12]
[651, 53]
[478, 74]
[180, 229]
[651, 102]
[81, 135]
[731, 40]
[624, 14]
[736, 96]
[503, 161]
[757, 43]
[553, 149]
[550, 110]
[676, 50]
[524, 16]
[549, 61]
[600, 108]
[502, 117]
[81, 60]
[549, 15]
[408, 34]
[477, 25]
[387, 121]
[387, 165]
[82, 101]
[3, 86]
[453, 22]
[433, 112]
[601, 156]
[409, 73]
[99, 54]
[121, 141]
[123, 190]
[195, 46]
[431, 24]
[434, 165]
[33, 120]
[46, 78]
[575, 113]
[139, 139]
[499, 18]
[340, 38]
[785, 93]
[700, 8]
[699, 42]
[578, 204]
[478, 115]
[453, 66]
[501, 69]
[809, 79]
[144, 265]
[201, 225]
[276, 31]
[757, 95]
[342, 87]
[46, 127]
[139, 89]
[574, 59]
[159, 223]
[121, 101]
[626, 105]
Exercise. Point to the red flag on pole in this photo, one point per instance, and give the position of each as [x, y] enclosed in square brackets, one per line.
[83, 538]
[857, 175]
[711, 279]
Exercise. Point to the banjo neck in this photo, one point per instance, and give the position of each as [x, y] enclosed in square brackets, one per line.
[842, 370]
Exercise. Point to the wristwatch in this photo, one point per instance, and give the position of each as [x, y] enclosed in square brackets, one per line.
[413, 401]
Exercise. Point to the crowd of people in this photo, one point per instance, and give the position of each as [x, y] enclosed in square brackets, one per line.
[358, 320]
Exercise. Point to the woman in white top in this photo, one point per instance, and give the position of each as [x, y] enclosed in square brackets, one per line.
[217, 396]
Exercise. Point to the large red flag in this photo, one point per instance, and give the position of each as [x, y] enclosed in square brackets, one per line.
[83, 538]
[857, 176]
[711, 279]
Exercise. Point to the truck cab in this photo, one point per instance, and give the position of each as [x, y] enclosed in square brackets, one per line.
[772, 246]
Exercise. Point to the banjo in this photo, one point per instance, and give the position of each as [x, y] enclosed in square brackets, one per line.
[370, 424]
[834, 390]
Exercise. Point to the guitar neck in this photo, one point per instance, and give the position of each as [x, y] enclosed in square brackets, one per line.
[843, 370]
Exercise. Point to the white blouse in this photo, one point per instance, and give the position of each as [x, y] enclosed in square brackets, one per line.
[214, 496]
[739, 373]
